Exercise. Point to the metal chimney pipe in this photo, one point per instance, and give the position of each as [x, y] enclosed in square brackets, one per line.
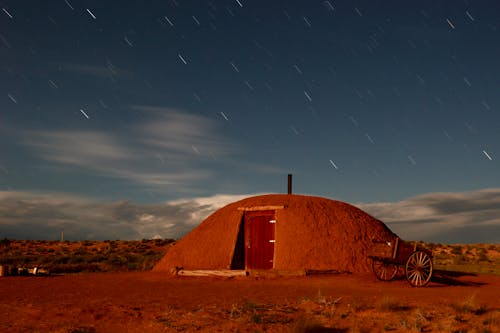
[289, 183]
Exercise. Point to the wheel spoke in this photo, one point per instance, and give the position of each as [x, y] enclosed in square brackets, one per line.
[419, 269]
[384, 271]
[419, 278]
[423, 259]
[418, 259]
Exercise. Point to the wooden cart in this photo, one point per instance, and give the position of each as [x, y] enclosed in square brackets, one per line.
[388, 256]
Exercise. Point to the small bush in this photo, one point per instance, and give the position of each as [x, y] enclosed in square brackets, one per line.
[456, 250]
[389, 304]
[469, 305]
[483, 257]
[359, 306]
[5, 243]
[306, 325]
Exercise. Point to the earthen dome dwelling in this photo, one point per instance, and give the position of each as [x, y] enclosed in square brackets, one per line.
[282, 232]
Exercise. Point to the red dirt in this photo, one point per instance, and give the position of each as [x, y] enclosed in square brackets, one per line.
[153, 302]
[311, 233]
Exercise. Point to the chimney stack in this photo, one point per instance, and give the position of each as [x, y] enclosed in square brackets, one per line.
[289, 183]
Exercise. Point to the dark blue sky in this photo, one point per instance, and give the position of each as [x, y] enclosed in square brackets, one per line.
[363, 101]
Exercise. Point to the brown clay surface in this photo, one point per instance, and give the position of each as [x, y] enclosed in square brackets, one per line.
[153, 302]
[311, 233]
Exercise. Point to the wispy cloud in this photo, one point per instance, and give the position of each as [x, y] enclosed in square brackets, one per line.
[81, 148]
[450, 217]
[27, 215]
[204, 206]
[168, 147]
[465, 217]
[178, 133]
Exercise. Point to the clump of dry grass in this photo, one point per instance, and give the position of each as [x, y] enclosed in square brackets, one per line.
[358, 305]
[493, 321]
[389, 304]
[311, 325]
[469, 305]
[306, 324]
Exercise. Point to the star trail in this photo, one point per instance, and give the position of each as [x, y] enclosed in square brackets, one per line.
[365, 102]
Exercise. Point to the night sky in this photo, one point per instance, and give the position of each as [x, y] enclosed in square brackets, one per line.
[131, 119]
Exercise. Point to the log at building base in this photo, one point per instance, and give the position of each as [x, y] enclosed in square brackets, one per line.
[234, 273]
[214, 273]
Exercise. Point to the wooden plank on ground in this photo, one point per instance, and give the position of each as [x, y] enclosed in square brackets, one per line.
[208, 273]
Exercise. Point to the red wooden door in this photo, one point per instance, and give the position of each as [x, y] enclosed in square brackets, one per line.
[259, 239]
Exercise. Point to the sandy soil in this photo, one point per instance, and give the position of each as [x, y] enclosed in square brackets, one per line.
[154, 302]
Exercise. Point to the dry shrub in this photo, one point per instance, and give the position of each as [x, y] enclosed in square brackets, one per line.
[469, 305]
[358, 305]
[492, 322]
[389, 304]
[310, 325]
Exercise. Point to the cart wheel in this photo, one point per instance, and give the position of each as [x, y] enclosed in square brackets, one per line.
[384, 271]
[419, 269]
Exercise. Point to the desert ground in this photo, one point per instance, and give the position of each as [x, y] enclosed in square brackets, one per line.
[157, 302]
[109, 286]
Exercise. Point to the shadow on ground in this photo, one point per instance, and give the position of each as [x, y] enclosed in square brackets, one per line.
[451, 278]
